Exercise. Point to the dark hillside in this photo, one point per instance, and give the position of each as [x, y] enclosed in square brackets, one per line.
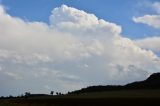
[152, 82]
[142, 93]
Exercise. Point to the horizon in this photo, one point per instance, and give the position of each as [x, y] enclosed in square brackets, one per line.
[65, 45]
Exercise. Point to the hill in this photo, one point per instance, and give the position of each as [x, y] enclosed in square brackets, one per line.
[152, 82]
[141, 93]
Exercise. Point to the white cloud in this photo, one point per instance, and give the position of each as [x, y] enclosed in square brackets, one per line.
[13, 75]
[151, 20]
[79, 22]
[156, 7]
[77, 49]
[47, 87]
[151, 43]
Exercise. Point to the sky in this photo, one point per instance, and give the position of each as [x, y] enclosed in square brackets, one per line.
[64, 45]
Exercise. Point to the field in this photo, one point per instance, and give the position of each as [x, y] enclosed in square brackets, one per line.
[127, 97]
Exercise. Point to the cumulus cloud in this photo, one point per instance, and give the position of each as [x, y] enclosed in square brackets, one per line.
[151, 20]
[79, 22]
[75, 50]
[151, 43]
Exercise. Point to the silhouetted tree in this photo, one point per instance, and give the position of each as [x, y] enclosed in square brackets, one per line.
[69, 92]
[52, 92]
[10, 96]
[21, 95]
[59, 93]
[27, 94]
[2, 97]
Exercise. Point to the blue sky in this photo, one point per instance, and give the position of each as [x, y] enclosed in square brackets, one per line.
[116, 11]
[60, 45]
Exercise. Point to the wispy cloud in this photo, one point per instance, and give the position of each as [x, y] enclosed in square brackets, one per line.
[151, 20]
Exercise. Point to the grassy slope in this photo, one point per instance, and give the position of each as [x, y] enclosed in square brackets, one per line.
[119, 94]
[85, 98]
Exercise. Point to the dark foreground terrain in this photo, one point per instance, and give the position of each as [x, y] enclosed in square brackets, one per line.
[142, 93]
[108, 98]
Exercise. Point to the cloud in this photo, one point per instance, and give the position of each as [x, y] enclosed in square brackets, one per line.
[151, 43]
[75, 50]
[0, 68]
[79, 22]
[151, 20]
[156, 6]
[13, 75]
